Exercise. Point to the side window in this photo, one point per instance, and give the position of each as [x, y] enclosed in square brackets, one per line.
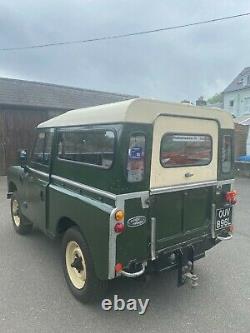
[185, 150]
[42, 149]
[136, 158]
[226, 153]
[37, 153]
[92, 147]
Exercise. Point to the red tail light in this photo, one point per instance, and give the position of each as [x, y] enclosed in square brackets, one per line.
[231, 197]
[118, 267]
[119, 227]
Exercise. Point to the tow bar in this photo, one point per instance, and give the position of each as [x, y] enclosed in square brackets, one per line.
[188, 275]
[185, 262]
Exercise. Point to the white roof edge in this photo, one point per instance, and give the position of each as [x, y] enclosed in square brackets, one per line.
[138, 110]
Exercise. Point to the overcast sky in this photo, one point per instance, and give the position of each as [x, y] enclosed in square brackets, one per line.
[171, 65]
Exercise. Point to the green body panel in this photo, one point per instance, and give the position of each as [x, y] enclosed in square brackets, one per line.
[167, 208]
[196, 208]
[92, 218]
[90, 215]
[35, 198]
[133, 243]
[181, 215]
[15, 181]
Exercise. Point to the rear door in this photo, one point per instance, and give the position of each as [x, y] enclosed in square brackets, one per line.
[184, 165]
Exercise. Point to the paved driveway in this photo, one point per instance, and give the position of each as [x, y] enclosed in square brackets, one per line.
[35, 298]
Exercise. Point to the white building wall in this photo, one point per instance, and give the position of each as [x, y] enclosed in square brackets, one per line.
[237, 102]
[248, 143]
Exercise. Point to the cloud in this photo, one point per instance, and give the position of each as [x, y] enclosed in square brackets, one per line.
[173, 65]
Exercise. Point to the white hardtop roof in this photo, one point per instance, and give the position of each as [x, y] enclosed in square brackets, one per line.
[136, 110]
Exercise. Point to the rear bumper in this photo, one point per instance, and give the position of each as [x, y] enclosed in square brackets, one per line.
[167, 258]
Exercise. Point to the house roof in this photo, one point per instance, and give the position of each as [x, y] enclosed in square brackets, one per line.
[239, 83]
[243, 120]
[137, 110]
[46, 95]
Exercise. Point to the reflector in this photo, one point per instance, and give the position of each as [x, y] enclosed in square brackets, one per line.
[118, 267]
[231, 197]
[119, 227]
[119, 215]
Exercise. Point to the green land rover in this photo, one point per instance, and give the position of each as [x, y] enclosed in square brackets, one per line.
[130, 187]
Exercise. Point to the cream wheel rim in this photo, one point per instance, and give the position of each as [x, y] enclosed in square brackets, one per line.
[75, 264]
[15, 212]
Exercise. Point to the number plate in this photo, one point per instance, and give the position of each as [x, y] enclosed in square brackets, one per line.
[223, 218]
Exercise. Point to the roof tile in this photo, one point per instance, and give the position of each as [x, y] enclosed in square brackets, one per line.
[238, 82]
[38, 94]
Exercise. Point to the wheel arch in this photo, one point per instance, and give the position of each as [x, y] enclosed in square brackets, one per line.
[63, 224]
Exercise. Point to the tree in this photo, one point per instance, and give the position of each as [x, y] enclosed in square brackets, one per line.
[217, 98]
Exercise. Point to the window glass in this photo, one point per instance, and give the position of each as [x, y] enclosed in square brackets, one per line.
[47, 147]
[42, 149]
[95, 147]
[248, 79]
[136, 158]
[247, 105]
[37, 155]
[226, 154]
[185, 149]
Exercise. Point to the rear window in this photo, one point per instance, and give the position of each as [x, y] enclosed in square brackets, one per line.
[185, 150]
[226, 154]
[92, 147]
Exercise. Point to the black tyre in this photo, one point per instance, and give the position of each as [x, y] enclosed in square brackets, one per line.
[21, 225]
[79, 269]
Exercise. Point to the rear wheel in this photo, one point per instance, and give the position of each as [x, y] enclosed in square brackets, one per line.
[79, 269]
[21, 225]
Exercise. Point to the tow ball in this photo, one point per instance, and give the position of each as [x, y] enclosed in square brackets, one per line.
[185, 264]
[187, 275]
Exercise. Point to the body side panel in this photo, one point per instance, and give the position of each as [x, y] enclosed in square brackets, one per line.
[90, 215]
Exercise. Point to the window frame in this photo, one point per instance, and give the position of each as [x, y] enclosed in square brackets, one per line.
[231, 154]
[78, 129]
[136, 133]
[33, 162]
[186, 165]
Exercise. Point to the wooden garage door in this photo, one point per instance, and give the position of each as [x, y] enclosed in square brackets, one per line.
[16, 132]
